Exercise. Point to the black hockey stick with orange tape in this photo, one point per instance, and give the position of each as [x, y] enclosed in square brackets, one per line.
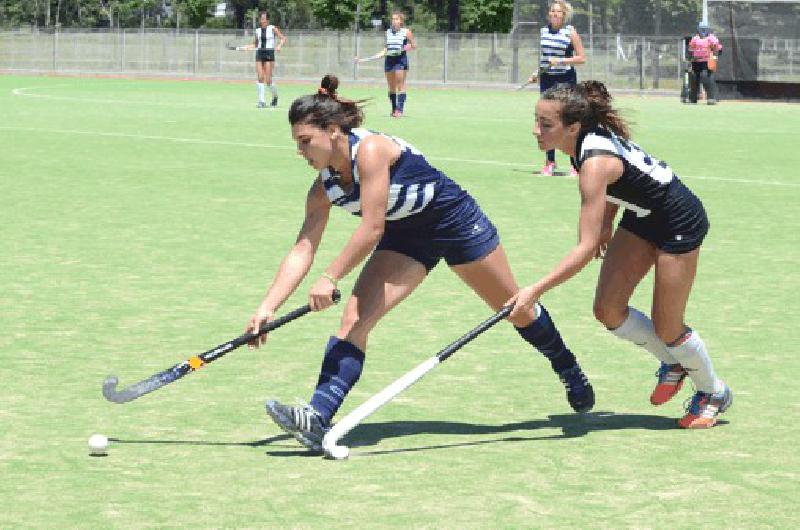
[196, 362]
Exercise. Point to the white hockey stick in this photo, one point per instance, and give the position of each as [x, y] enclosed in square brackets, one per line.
[330, 444]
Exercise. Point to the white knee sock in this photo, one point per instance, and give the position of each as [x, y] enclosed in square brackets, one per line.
[638, 329]
[693, 356]
[274, 90]
[260, 88]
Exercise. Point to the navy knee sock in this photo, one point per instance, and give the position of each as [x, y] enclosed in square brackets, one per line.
[393, 99]
[341, 368]
[401, 101]
[544, 336]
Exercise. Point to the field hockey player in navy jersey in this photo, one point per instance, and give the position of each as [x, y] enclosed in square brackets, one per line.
[411, 217]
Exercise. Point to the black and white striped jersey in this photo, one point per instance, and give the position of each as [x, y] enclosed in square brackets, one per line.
[265, 38]
[645, 182]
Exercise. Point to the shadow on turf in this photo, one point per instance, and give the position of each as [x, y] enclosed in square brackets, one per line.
[255, 443]
[536, 173]
[571, 425]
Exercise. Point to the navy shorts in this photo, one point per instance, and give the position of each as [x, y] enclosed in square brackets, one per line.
[265, 56]
[678, 228]
[395, 62]
[550, 80]
[463, 235]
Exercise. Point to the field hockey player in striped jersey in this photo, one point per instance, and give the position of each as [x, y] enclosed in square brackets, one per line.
[561, 49]
[663, 226]
[399, 40]
[265, 47]
[412, 216]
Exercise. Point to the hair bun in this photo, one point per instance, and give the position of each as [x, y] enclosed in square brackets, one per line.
[329, 85]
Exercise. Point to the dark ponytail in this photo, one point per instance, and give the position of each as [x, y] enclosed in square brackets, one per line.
[589, 104]
[326, 108]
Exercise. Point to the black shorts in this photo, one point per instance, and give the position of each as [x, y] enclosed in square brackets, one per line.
[265, 56]
[700, 66]
[678, 228]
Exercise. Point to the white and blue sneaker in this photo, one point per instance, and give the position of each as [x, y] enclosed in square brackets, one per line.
[704, 408]
[303, 422]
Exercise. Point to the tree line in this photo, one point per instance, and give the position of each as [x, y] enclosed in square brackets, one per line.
[639, 17]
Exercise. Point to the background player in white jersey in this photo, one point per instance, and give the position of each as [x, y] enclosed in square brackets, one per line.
[399, 40]
[663, 226]
[561, 48]
[265, 47]
[412, 216]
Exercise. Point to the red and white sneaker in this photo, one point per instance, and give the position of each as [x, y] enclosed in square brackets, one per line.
[548, 169]
[396, 114]
[704, 408]
[572, 172]
[670, 381]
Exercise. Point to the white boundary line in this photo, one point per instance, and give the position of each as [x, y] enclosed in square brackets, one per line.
[289, 148]
[23, 91]
[143, 137]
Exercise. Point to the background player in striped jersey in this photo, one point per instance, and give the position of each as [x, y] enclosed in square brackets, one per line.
[663, 226]
[264, 45]
[412, 216]
[399, 40]
[561, 48]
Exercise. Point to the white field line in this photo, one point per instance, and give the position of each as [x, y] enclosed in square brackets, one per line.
[143, 137]
[24, 91]
[500, 163]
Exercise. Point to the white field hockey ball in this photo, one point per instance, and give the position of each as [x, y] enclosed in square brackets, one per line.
[98, 445]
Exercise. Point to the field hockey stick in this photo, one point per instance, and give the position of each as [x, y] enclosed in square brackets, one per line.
[368, 59]
[196, 362]
[235, 47]
[330, 443]
[524, 85]
[536, 79]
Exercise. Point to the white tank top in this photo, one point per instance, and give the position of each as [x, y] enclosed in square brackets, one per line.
[265, 38]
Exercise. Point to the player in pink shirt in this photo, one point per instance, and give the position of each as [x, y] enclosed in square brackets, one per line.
[704, 47]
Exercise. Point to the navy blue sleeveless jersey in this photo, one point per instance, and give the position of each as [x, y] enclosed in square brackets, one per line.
[428, 215]
[658, 206]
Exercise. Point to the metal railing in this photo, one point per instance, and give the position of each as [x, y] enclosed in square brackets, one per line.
[638, 62]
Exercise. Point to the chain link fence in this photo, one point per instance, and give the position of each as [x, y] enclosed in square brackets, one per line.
[620, 61]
